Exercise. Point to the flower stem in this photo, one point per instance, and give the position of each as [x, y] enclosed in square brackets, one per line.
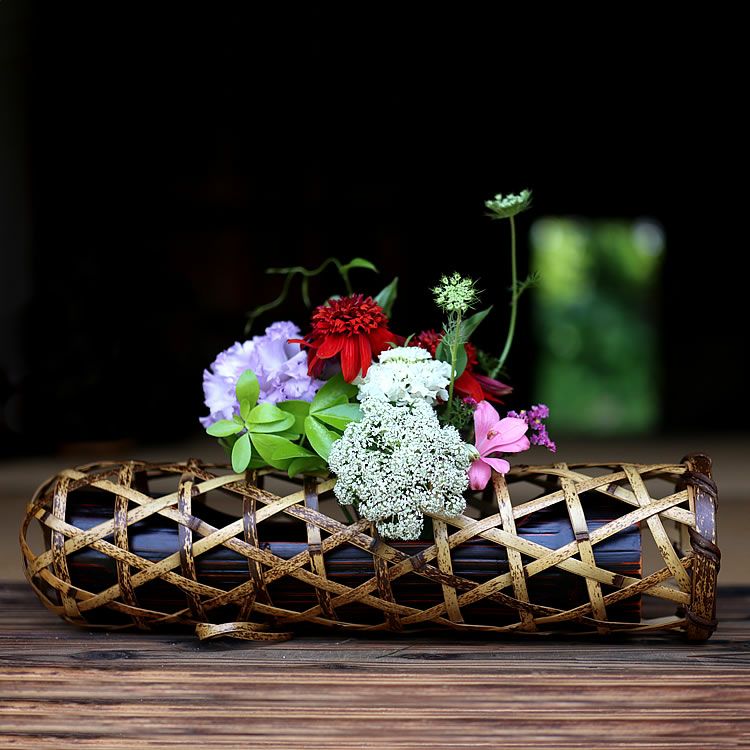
[344, 273]
[454, 353]
[513, 301]
[349, 290]
[347, 514]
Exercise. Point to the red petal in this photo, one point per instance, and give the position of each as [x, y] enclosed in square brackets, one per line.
[493, 387]
[365, 354]
[314, 365]
[331, 346]
[468, 385]
[380, 339]
[350, 365]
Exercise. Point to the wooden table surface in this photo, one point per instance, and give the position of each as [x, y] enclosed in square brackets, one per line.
[61, 687]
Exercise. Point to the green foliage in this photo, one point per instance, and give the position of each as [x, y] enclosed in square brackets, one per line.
[358, 263]
[306, 274]
[460, 416]
[293, 436]
[387, 296]
[238, 434]
[444, 352]
[224, 428]
[241, 453]
[314, 465]
[529, 282]
[248, 388]
[330, 408]
[335, 391]
[299, 410]
[487, 362]
[320, 437]
[598, 348]
[245, 408]
[269, 418]
[340, 415]
[456, 295]
[277, 451]
[471, 323]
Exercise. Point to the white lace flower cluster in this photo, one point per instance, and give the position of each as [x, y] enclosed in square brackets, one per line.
[455, 293]
[405, 375]
[505, 206]
[398, 463]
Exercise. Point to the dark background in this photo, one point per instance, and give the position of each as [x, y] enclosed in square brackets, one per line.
[156, 158]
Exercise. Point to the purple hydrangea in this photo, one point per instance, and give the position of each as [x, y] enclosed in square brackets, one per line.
[281, 369]
[533, 417]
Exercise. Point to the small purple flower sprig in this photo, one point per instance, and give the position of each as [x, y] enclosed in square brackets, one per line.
[533, 418]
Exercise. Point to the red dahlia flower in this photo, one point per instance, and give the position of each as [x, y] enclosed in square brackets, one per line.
[354, 327]
[469, 384]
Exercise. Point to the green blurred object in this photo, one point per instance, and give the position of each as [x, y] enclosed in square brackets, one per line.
[595, 323]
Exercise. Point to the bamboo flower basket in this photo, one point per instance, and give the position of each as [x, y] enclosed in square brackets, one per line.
[547, 549]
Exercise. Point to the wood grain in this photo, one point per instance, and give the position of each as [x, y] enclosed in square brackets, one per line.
[64, 687]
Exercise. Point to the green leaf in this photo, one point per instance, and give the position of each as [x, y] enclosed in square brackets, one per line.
[335, 391]
[268, 413]
[245, 408]
[387, 296]
[241, 454]
[227, 443]
[289, 434]
[360, 263]
[282, 425]
[278, 451]
[528, 283]
[299, 410]
[470, 325]
[315, 465]
[269, 418]
[461, 361]
[247, 388]
[320, 437]
[257, 462]
[340, 415]
[443, 353]
[223, 428]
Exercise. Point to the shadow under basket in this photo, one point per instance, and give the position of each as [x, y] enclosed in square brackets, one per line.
[556, 548]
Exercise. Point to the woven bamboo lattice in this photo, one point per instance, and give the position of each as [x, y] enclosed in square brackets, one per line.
[121, 556]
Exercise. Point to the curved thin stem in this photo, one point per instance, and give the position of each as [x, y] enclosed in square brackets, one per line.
[289, 274]
[258, 311]
[344, 273]
[454, 354]
[513, 301]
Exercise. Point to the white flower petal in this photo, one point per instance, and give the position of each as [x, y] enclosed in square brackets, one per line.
[397, 463]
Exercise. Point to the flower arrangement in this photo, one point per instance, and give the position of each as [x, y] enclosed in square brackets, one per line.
[406, 424]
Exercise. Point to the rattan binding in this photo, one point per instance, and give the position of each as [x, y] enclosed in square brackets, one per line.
[682, 524]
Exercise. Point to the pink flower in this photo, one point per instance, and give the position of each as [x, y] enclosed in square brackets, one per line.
[494, 435]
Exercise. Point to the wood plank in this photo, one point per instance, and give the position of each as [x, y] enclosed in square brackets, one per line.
[61, 687]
